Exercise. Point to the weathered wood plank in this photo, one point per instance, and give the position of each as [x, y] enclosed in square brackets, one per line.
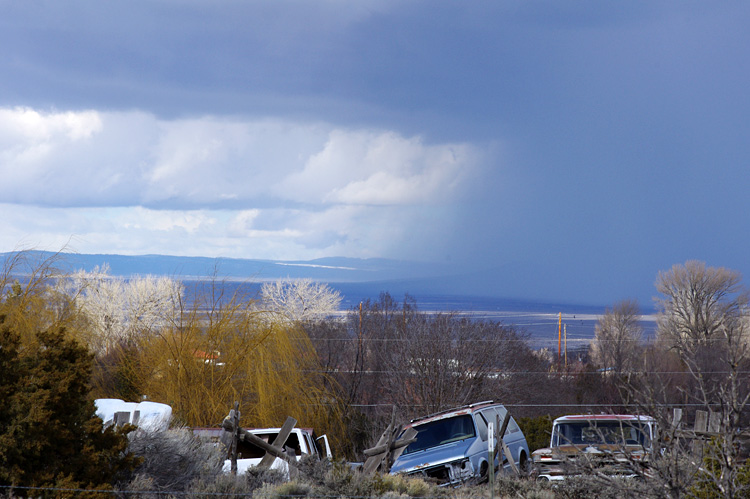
[714, 422]
[255, 440]
[278, 442]
[701, 421]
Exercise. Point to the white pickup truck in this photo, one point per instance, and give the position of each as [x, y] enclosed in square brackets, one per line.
[302, 442]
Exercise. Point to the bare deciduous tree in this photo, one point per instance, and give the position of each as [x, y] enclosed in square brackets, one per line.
[698, 304]
[617, 338]
[388, 353]
[702, 332]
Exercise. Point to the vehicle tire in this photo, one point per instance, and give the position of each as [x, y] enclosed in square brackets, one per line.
[484, 475]
[523, 464]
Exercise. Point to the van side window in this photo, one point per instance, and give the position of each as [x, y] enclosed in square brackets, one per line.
[512, 426]
[481, 423]
[501, 412]
[492, 415]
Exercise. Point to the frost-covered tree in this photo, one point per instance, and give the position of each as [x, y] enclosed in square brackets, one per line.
[119, 309]
[300, 300]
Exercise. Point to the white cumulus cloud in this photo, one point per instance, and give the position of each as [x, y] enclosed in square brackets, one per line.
[379, 167]
[132, 182]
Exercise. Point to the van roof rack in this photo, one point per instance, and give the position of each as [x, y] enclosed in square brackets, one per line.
[481, 403]
[446, 411]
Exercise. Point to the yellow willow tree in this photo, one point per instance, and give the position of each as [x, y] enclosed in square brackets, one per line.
[29, 301]
[218, 349]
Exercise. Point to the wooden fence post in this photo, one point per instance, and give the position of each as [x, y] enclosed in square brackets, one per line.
[500, 430]
[231, 425]
[699, 428]
[714, 422]
[388, 448]
[278, 442]
[676, 418]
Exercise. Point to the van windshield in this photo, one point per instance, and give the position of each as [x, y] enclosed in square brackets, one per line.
[442, 431]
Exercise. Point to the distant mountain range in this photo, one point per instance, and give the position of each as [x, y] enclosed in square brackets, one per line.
[435, 287]
[361, 278]
[189, 268]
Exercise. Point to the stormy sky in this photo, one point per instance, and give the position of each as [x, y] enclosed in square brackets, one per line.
[546, 149]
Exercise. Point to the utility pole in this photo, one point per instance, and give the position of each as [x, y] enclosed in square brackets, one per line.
[566, 346]
[559, 339]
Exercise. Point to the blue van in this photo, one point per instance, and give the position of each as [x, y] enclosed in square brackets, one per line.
[451, 446]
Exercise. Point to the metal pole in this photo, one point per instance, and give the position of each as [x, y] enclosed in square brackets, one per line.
[491, 458]
[235, 436]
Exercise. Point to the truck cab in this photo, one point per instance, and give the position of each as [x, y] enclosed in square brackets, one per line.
[613, 444]
[300, 443]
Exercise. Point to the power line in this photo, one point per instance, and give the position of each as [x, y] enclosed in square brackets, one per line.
[666, 405]
[115, 492]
